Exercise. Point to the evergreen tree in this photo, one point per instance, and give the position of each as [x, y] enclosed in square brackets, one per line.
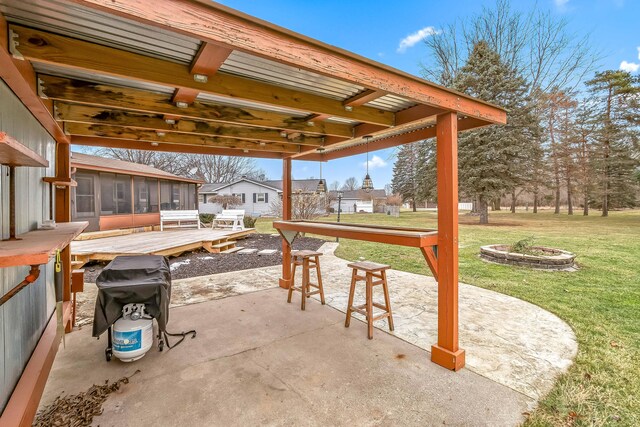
[497, 159]
[405, 180]
[616, 94]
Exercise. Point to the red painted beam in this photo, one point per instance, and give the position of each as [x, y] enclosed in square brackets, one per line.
[285, 281]
[209, 59]
[447, 352]
[234, 30]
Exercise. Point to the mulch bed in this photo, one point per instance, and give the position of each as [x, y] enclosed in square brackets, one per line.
[203, 263]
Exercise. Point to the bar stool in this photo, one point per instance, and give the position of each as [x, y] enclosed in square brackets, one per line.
[375, 274]
[308, 260]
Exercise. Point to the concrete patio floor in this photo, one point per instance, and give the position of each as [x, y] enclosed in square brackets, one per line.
[257, 360]
[509, 343]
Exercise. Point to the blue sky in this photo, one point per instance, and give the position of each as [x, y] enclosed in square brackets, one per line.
[375, 29]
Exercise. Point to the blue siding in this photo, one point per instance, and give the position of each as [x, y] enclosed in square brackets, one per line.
[23, 318]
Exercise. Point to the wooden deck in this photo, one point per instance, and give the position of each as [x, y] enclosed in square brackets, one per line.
[167, 243]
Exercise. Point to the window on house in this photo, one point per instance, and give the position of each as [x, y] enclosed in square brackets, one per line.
[260, 198]
[145, 194]
[85, 196]
[115, 194]
[239, 196]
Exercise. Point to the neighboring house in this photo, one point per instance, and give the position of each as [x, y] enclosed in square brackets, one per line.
[256, 196]
[358, 201]
[117, 194]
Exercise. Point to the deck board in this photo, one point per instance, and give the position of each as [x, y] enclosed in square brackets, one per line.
[168, 242]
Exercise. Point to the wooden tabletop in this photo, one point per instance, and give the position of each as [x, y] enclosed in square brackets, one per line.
[38, 246]
[402, 236]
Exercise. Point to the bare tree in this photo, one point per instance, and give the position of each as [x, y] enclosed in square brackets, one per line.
[351, 184]
[537, 45]
[334, 186]
[169, 162]
[226, 200]
[304, 205]
[211, 168]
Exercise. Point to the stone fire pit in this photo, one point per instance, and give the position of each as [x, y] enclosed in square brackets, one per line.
[544, 258]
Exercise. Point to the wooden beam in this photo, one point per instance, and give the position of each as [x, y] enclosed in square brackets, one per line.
[60, 50]
[388, 142]
[71, 113]
[209, 59]
[94, 141]
[447, 352]
[23, 403]
[118, 132]
[235, 30]
[120, 98]
[184, 95]
[363, 97]
[21, 79]
[285, 281]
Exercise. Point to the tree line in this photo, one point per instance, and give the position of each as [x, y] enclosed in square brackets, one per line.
[570, 129]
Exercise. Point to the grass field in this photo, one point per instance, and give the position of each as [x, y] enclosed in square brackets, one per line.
[601, 301]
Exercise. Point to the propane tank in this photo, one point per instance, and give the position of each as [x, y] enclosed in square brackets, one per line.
[132, 333]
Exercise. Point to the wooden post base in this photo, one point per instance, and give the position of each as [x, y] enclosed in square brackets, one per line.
[285, 283]
[447, 359]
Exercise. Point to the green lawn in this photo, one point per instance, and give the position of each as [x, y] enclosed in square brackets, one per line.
[601, 301]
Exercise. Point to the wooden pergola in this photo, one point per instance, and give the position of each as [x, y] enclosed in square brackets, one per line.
[193, 76]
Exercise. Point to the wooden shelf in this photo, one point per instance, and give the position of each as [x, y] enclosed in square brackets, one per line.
[38, 246]
[60, 182]
[13, 153]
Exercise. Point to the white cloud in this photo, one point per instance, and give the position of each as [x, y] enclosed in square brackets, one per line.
[414, 38]
[561, 4]
[630, 67]
[375, 162]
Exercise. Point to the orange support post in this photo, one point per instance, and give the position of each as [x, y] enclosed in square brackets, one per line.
[63, 214]
[446, 352]
[285, 281]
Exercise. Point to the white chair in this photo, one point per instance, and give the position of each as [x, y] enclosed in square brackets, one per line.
[179, 219]
[229, 218]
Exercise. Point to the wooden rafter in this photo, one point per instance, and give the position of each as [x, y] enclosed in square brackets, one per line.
[95, 141]
[120, 98]
[71, 113]
[209, 59]
[363, 97]
[118, 132]
[51, 48]
[229, 28]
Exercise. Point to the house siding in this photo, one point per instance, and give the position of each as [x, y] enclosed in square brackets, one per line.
[23, 317]
[250, 207]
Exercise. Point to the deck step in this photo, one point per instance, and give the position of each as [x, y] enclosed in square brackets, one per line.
[232, 250]
[224, 244]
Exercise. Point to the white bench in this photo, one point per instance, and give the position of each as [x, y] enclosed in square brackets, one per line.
[179, 219]
[233, 218]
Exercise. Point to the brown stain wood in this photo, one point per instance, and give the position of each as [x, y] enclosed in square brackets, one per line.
[95, 141]
[231, 29]
[118, 132]
[447, 352]
[97, 115]
[120, 98]
[56, 49]
[38, 246]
